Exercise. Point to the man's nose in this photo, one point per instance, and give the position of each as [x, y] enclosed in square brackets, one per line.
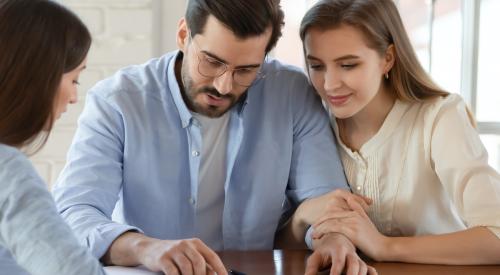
[224, 83]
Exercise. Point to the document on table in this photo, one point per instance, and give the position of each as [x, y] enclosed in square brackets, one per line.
[121, 270]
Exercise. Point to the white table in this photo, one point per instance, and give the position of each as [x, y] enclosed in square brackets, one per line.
[120, 270]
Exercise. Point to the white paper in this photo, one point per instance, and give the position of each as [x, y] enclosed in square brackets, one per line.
[120, 270]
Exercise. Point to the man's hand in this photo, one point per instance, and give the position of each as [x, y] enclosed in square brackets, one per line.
[188, 256]
[358, 228]
[337, 251]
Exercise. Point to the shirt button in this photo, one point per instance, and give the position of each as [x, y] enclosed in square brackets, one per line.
[358, 188]
[192, 201]
[195, 153]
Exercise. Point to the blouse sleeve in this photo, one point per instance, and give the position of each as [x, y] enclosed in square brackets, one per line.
[461, 163]
[31, 228]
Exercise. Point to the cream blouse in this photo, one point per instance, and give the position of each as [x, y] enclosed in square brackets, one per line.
[426, 171]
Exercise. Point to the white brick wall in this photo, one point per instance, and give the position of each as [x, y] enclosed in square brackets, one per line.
[124, 32]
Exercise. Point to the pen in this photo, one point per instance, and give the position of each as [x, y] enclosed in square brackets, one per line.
[235, 272]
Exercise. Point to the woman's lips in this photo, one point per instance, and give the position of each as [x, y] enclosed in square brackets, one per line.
[339, 100]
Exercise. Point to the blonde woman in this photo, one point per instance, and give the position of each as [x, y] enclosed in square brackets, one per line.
[405, 143]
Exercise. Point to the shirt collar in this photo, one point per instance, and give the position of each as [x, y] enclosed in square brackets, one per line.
[173, 86]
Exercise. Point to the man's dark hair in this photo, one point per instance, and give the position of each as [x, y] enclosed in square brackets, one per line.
[245, 18]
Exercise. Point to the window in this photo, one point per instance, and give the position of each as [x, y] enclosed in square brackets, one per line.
[289, 47]
[488, 96]
[436, 35]
[455, 41]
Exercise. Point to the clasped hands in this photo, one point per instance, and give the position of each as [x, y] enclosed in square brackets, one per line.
[340, 223]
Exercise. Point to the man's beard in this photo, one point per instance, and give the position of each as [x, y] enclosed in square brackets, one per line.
[189, 94]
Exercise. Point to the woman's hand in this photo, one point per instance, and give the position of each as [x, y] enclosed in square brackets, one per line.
[311, 210]
[356, 226]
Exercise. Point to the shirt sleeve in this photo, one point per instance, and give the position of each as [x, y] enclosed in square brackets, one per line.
[308, 238]
[32, 230]
[316, 167]
[461, 163]
[89, 186]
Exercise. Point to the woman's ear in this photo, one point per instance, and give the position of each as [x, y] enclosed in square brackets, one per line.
[182, 34]
[390, 58]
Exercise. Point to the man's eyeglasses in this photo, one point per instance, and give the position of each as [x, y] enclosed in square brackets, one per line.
[211, 67]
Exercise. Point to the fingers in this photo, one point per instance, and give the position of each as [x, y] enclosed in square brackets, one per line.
[189, 256]
[183, 264]
[170, 269]
[338, 263]
[358, 202]
[314, 264]
[353, 265]
[210, 270]
[198, 262]
[357, 207]
[211, 258]
[338, 250]
[336, 215]
[358, 197]
[368, 200]
[372, 270]
[347, 195]
[363, 269]
[365, 199]
[331, 227]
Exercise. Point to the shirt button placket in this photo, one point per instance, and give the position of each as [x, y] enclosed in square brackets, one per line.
[192, 201]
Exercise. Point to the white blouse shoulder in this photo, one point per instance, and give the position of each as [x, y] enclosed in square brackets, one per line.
[426, 170]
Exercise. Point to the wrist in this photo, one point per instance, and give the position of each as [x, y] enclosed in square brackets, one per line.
[389, 249]
[300, 217]
[333, 237]
[125, 250]
[140, 246]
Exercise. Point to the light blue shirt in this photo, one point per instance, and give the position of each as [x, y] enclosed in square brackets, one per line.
[33, 237]
[134, 162]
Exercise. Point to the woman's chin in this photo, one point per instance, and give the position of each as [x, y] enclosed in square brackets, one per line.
[342, 114]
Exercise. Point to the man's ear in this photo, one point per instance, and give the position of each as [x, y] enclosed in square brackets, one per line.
[182, 34]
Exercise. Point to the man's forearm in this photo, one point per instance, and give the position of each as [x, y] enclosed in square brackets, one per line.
[125, 250]
[292, 235]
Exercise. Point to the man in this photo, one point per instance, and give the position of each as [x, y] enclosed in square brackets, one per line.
[203, 149]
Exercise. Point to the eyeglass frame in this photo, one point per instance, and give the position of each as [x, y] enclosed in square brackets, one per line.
[258, 76]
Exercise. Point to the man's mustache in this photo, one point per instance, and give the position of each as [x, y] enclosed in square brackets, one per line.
[214, 92]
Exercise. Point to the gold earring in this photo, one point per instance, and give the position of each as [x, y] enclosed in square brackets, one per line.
[386, 75]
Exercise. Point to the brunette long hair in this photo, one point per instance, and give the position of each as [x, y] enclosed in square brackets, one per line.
[40, 40]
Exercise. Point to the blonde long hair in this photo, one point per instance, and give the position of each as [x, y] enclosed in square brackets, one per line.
[381, 24]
